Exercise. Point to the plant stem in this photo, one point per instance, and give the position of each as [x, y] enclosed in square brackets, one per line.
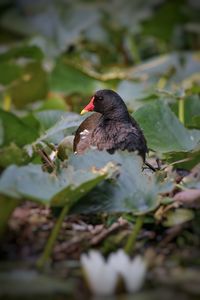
[181, 110]
[133, 236]
[52, 238]
[7, 102]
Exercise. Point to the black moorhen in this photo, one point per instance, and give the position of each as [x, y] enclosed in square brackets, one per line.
[110, 128]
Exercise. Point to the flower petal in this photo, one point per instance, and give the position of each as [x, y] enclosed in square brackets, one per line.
[101, 277]
[135, 277]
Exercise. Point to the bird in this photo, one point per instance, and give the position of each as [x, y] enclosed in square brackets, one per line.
[110, 127]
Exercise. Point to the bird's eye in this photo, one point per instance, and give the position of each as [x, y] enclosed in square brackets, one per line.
[100, 98]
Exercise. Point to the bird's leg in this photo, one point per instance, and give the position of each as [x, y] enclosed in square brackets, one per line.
[150, 166]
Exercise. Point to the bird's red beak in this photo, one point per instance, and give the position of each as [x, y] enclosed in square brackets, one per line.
[89, 107]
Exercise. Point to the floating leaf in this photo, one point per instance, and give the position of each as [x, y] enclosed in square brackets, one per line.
[170, 14]
[24, 51]
[131, 191]
[134, 93]
[65, 126]
[9, 72]
[175, 67]
[54, 102]
[191, 110]
[196, 122]
[15, 130]
[67, 79]
[67, 22]
[49, 118]
[129, 14]
[30, 182]
[162, 129]
[183, 159]
[31, 86]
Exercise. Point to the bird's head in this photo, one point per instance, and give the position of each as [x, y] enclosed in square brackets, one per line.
[106, 102]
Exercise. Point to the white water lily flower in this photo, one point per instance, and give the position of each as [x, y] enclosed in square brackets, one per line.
[132, 271]
[102, 276]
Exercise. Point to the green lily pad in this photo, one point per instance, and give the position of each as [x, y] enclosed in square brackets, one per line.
[66, 125]
[162, 129]
[196, 122]
[49, 118]
[54, 103]
[15, 130]
[191, 110]
[131, 191]
[9, 72]
[31, 86]
[175, 67]
[183, 159]
[30, 182]
[24, 51]
[67, 79]
[170, 14]
[69, 20]
[126, 189]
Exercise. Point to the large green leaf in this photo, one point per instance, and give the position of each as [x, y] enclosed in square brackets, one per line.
[134, 93]
[171, 14]
[15, 130]
[129, 14]
[183, 159]
[69, 80]
[165, 71]
[162, 129]
[30, 182]
[25, 51]
[126, 189]
[9, 72]
[191, 110]
[63, 127]
[68, 21]
[196, 122]
[132, 190]
[175, 67]
[31, 86]
[48, 118]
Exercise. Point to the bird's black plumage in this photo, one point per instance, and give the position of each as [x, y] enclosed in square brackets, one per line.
[110, 128]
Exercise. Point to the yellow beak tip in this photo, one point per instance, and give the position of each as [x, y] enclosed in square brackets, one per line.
[83, 112]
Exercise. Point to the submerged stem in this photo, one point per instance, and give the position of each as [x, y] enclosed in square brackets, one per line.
[52, 238]
[133, 236]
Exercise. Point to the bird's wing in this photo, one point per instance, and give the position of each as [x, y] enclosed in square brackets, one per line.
[83, 134]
